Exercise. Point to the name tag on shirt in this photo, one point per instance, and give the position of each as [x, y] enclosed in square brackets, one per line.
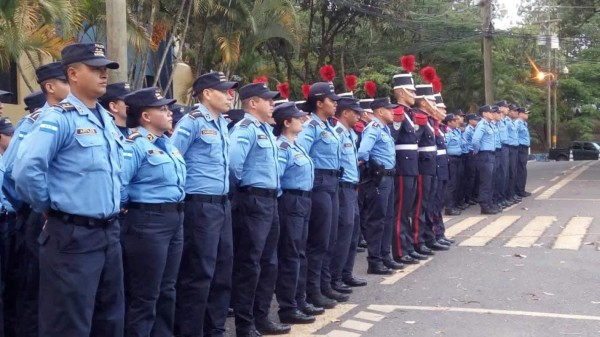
[347, 144]
[262, 137]
[155, 152]
[299, 155]
[87, 131]
[325, 134]
[209, 132]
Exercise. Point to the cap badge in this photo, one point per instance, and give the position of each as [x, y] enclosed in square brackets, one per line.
[99, 50]
[158, 95]
[126, 86]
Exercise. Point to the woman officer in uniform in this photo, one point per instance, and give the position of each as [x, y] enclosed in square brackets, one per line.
[152, 194]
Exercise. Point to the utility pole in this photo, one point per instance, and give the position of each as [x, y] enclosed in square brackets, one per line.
[486, 15]
[116, 38]
[549, 85]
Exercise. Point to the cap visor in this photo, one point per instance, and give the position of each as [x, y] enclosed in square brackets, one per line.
[225, 85]
[270, 95]
[333, 97]
[358, 109]
[8, 129]
[101, 62]
[162, 102]
[391, 106]
[299, 114]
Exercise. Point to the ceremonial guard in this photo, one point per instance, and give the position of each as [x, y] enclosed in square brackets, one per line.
[440, 241]
[484, 148]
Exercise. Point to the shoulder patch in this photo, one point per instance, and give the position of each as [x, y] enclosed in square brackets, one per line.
[284, 145]
[132, 137]
[34, 116]
[195, 114]
[313, 123]
[66, 106]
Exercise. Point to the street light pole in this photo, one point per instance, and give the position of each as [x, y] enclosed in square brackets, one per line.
[555, 135]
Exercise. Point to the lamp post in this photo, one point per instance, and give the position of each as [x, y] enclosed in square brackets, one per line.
[549, 77]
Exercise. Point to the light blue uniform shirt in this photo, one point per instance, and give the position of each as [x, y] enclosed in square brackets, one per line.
[349, 158]
[153, 170]
[204, 144]
[23, 127]
[467, 137]
[523, 132]
[512, 132]
[484, 137]
[295, 166]
[496, 130]
[3, 200]
[71, 161]
[254, 154]
[321, 142]
[377, 144]
[503, 130]
[454, 142]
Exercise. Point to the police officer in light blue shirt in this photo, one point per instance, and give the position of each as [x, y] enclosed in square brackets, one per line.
[484, 148]
[502, 176]
[470, 181]
[513, 147]
[297, 174]
[152, 193]
[524, 142]
[377, 151]
[498, 168]
[454, 145]
[114, 102]
[69, 168]
[254, 168]
[202, 138]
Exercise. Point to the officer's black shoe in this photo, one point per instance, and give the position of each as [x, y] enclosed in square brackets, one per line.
[360, 250]
[524, 194]
[311, 310]
[393, 264]
[462, 206]
[418, 256]
[452, 211]
[334, 295]
[471, 202]
[341, 287]
[437, 246]
[489, 210]
[230, 312]
[450, 241]
[321, 301]
[355, 281]
[444, 243]
[407, 259]
[362, 243]
[296, 317]
[379, 269]
[269, 327]
[251, 333]
[424, 250]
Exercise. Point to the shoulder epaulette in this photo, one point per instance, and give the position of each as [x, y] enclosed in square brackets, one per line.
[339, 130]
[246, 122]
[34, 116]
[375, 125]
[313, 123]
[132, 137]
[66, 106]
[195, 114]
[284, 145]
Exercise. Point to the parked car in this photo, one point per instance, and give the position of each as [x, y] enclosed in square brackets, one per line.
[582, 150]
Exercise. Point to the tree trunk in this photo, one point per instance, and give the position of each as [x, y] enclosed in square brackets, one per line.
[182, 43]
[168, 46]
[141, 74]
[25, 79]
[308, 42]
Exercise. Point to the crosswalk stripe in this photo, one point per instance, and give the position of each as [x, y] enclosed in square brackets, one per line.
[572, 235]
[489, 232]
[463, 225]
[531, 232]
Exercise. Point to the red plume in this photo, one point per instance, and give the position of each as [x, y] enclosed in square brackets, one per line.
[327, 73]
[437, 84]
[284, 90]
[408, 63]
[428, 74]
[262, 79]
[371, 88]
[351, 82]
[305, 90]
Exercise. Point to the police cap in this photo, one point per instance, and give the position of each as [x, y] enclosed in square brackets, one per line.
[349, 103]
[383, 102]
[50, 71]
[522, 110]
[257, 90]
[322, 89]
[6, 126]
[485, 108]
[287, 110]
[472, 116]
[213, 80]
[449, 118]
[34, 101]
[147, 97]
[92, 54]
[502, 103]
[512, 107]
[116, 91]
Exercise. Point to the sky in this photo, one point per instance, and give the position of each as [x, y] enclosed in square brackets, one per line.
[510, 10]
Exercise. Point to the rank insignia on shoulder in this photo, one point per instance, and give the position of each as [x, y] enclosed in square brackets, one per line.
[132, 137]
[87, 131]
[66, 106]
[284, 145]
[313, 123]
[34, 116]
[262, 137]
[339, 130]
[150, 137]
[375, 125]
[195, 114]
[322, 125]
[209, 132]
[245, 122]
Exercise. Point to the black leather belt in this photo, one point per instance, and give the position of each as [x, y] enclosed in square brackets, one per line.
[390, 172]
[300, 193]
[79, 220]
[211, 199]
[524, 146]
[486, 152]
[351, 186]
[162, 207]
[334, 173]
[261, 192]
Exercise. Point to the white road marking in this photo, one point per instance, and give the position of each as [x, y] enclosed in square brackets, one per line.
[574, 199]
[572, 235]
[489, 232]
[555, 178]
[497, 312]
[369, 316]
[382, 308]
[322, 320]
[531, 232]
[463, 225]
[403, 273]
[537, 189]
[550, 191]
[356, 325]
[340, 333]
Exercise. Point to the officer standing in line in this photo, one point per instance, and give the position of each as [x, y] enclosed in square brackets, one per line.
[297, 175]
[153, 236]
[81, 273]
[204, 282]
[502, 180]
[513, 144]
[11, 248]
[454, 148]
[524, 142]
[323, 146]
[113, 102]
[496, 116]
[407, 170]
[471, 175]
[347, 113]
[254, 166]
[377, 153]
[484, 148]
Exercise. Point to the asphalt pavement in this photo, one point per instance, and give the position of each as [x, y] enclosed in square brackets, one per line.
[531, 270]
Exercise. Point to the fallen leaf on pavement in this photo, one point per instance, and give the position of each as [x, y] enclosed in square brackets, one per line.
[520, 255]
[594, 302]
[410, 322]
[589, 243]
[525, 208]
[335, 320]
[549, 294]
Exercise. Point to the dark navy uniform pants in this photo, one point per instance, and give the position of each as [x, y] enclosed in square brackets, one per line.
[521, 180]
[379, 208]
[348, 203]
[487, 160]
[13, 251]
[204, 283]
[513, 154]
[505, 163]
[439, 229]
[471, 177]
[405, 188]
[255, 238]
[497, 177]
[152, 245]
[423, 223]
[452, 195]
[81, 280]
[322, 224]
[349, 265]
[294, 213]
